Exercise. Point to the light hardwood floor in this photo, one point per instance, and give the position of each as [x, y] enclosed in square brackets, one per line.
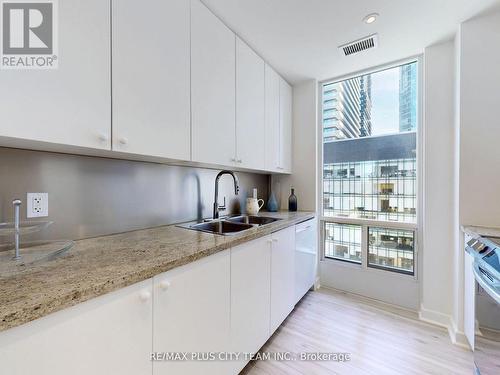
[380, 340]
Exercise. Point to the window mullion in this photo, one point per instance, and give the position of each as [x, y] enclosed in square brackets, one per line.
[364, 246]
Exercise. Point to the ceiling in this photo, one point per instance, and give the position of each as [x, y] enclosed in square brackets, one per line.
[299, 38]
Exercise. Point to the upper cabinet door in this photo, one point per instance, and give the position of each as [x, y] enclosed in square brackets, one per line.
[285, 126]
[212, 88]
[272, 94]
[250, 109]
[71, 104]
[151, 78]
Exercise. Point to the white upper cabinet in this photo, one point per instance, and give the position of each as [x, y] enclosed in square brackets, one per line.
[69, 105]
[278, 122]
[285, 126]
[166, 79]
[272, 119]
[250, 108]
[212, 88]
[151, 78]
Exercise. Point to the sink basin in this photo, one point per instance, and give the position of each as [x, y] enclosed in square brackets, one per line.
[250, 219]
[221, 227]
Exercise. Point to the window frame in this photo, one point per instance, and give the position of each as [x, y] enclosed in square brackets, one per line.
[366, 223]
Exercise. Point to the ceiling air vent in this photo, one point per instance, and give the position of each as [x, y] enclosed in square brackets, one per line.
[359, 45]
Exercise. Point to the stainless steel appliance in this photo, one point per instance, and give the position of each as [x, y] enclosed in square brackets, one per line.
[486, 269]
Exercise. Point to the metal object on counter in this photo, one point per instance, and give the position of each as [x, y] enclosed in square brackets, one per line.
[32, 252]
[25, 227]
[17, 205]
[15, 256]
[230, 225]
[218, 208]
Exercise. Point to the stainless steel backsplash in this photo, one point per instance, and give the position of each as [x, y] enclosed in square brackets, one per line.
[91, 196]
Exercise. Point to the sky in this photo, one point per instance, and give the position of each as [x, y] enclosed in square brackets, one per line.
[385, 102]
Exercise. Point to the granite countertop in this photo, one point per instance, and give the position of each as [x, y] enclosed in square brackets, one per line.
[100, 265]
[475, 231]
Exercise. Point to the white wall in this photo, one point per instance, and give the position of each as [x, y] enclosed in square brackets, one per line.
[437, 249]
[304, 150]
[461, 158]
[458, 256]
[388, 287]
[478, 132]
[479, 121]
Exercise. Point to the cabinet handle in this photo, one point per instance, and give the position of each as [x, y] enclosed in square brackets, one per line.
[164, 285]
[303, 229]
[269, 241]
[145, 295]
[123, 141]
[275, 240]
[239, 161]
[103, 137]
[233, 159]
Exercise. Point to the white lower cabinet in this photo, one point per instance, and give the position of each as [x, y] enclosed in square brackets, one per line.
[229, 302]
[306, 257]
[106, 335]
[192, 314]
[250, 297]
[282, 276]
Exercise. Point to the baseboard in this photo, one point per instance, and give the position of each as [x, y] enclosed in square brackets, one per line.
[444, 320]
[434, 317]
[388, 307]
[317, 284]
[458, 337]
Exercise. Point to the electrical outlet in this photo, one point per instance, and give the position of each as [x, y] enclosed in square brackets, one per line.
[38, 205]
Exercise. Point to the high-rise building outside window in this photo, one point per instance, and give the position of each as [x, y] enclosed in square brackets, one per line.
[369, 190]
[408, 98]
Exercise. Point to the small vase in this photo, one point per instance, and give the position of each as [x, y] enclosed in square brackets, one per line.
[292, 201]
[272, 203]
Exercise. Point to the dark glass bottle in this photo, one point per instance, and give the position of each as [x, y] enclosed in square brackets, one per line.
[292, 201]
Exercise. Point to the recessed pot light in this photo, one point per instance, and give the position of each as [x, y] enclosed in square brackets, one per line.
[371, 18]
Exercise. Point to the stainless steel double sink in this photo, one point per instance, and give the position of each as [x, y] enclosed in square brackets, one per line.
[231, 225]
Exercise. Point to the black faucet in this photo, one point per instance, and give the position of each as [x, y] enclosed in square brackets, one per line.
[216, 200]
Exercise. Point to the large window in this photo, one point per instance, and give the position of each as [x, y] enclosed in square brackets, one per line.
[369, 168]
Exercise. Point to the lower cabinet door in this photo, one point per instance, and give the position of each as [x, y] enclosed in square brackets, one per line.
[305, 257]
[110, 334]
[250, 297]
[282, 276]
[191, 317]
